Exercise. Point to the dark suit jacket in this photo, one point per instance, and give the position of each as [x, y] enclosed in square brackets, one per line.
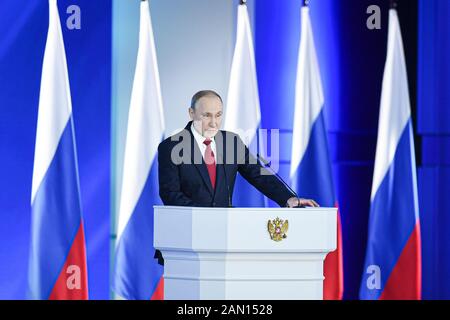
[186, 182]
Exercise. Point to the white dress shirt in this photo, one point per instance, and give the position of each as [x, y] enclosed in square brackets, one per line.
[200, 139]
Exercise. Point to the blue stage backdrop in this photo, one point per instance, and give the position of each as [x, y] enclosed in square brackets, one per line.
[88, 50]
[434, 130]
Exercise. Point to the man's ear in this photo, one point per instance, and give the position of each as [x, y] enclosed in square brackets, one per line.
[191, 113]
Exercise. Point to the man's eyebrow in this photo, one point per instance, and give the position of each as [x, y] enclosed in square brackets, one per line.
[209, 113]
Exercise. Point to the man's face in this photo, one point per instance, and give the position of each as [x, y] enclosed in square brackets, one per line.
[207, 116]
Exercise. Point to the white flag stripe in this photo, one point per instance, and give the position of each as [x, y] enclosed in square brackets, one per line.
[395, 104]
[55, 106]
[243, 108]
[145, 122]
[309, 98]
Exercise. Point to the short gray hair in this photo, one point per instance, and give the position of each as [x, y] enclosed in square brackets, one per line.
[204, 93]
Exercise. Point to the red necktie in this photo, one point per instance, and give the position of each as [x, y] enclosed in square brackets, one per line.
[210, 162]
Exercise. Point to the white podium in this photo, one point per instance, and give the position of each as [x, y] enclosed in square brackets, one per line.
[232, 253]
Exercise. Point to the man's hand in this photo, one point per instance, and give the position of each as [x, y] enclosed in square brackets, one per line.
[299, 202]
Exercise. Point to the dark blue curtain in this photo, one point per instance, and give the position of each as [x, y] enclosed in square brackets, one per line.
[434, 132]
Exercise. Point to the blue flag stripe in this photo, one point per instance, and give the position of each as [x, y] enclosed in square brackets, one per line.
[313, 177]
[56, 217]
[137, 273]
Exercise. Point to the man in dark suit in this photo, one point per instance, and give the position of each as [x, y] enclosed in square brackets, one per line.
[198, 166]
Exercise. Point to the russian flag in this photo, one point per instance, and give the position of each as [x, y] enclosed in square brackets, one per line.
[392, 268]
[137, 274]
[243, 114]
[57, 265]
[310, 172]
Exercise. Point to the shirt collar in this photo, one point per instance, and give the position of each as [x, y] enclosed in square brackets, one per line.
[200, 139]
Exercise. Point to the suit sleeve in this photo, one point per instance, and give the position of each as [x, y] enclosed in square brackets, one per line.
[169, 180]
[261, 178]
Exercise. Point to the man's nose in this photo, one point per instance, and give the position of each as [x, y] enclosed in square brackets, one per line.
[213, 122]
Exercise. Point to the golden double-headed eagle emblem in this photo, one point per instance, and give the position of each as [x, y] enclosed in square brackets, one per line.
[277, 229]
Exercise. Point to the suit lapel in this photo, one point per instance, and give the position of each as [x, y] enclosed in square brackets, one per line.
[220, 171]
[219, 159]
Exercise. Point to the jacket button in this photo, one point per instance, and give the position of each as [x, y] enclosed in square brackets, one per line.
[214, 204]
